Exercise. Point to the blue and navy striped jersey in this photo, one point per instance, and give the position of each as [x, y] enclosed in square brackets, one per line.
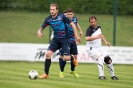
[58, 24]
[75, 20]
[70, 30]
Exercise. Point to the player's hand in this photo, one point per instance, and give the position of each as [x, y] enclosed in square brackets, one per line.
[51, 39]
[108, 44]
[81, 33]
[77, 42]
[39, 33]
[78, 39]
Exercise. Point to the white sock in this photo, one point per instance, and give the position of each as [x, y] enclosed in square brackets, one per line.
[111, 69]
[101, 66]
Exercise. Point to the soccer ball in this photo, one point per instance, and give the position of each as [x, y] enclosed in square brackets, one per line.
[33, 74]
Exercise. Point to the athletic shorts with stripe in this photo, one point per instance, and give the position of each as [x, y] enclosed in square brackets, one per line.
[96, 52]
[57, 43]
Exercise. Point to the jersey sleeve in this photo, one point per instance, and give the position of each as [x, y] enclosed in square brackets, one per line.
[100, 28]
[88, 32]
[45, 23]
[66, 20]
[76, 19]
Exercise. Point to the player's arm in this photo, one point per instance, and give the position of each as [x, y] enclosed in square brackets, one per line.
[90, 38]
[41, 28]
[67, 20]
[79, 28]
[40, 32]
[104, 40]
[75, 32]
[52, 35]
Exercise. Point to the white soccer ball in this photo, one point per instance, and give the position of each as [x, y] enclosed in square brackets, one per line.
[33, 74]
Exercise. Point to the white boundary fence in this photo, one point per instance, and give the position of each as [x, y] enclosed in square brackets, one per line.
[36, 52]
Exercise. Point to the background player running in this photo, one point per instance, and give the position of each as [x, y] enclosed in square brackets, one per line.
[73, 47]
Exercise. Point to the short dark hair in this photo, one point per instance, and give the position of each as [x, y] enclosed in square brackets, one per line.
[70, 10]
[92, 17]
[65, 11]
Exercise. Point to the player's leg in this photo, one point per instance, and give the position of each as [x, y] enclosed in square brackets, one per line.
[109, 64]
[47, 64]
[72, 71]
[65, 45]
[101, 67]
[52, 48]
[74, 52]
[62, 64]
[71, 63]
[70, 58]
[64, 54]
[94, 53]
[110, 67]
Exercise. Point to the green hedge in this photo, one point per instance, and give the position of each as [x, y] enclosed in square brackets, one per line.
[124, 7]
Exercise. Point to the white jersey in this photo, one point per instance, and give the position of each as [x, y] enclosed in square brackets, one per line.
[93, 47]
[93, 32]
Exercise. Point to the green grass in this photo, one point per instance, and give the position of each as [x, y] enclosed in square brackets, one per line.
[21, 27]
[15, 75]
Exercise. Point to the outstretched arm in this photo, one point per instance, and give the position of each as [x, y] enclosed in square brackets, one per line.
[40, 32]
[52, 35]
[79, 28]
[90, 38]
[75, 32]
[104, 40]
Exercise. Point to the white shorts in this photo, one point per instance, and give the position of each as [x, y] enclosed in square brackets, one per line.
[97, 52]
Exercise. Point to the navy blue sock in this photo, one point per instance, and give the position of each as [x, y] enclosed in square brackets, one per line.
[72, 65]
[62, 64]
[71, 58]
[47, 66]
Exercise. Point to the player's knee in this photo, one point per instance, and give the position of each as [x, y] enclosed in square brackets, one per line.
[49, 54]
[61, 56]
[107, 60]
[66, 58]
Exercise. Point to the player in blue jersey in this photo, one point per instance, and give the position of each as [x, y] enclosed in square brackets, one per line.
[70, 15]
[58, 23]
[73, 46]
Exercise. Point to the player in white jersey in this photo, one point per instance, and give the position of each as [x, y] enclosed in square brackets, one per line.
[94, 39]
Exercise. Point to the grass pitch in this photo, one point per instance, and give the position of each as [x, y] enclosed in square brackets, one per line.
[21, 27]
[15, 75]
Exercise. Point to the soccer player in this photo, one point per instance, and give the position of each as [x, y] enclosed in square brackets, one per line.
[65, 12]
[57, 22]
[73, 46]
[94, 48]
[70, 15]
[73, 49]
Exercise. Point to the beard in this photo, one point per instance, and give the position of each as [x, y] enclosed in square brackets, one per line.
[94, 26]
[53, 14]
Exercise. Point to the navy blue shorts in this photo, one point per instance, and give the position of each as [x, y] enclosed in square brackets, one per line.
[73, 48]
[60, 44]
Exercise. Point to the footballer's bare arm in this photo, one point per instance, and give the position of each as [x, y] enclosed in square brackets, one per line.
[90, 38]
[104, 40]
[40, 32]
[79, 28]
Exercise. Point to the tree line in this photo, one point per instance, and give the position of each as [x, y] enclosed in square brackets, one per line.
[124, 7]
